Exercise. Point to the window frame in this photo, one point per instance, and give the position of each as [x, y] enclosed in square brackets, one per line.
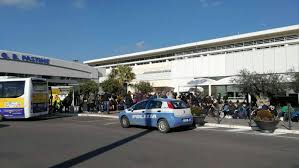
[4, 89]
[149, 103]
[146, 102]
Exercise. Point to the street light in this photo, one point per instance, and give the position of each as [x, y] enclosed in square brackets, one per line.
[125, 85]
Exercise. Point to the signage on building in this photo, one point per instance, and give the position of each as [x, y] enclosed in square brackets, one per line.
[24, 58]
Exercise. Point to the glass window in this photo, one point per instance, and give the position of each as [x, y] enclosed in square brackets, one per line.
[39, 85]
[279, 39]
[178, 104]
[249, 43]
[239, 45]
[11, 89]
[1, 90]
[140, 106]
[259, 42]
[292, 37]
[154, 104]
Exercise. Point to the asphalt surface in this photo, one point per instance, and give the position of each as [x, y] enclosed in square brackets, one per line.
[98, 142]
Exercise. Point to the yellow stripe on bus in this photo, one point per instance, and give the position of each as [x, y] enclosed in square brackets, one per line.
[40, 98]
[11, 102]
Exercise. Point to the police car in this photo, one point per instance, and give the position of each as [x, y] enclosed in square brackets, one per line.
[161, 113]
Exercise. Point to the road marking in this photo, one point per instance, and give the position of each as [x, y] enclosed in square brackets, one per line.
[268, 134]
[205, 127]
[238, 130]
[247, 132]
[111, 123]
[110, 119]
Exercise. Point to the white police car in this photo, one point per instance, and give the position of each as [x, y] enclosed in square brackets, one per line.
[161, 113]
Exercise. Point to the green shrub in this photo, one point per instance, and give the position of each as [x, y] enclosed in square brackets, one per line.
[196, 111]
[264, 115]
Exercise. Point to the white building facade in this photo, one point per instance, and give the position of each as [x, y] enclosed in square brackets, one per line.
[212, 63]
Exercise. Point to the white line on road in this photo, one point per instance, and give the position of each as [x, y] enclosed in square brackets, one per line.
[111, 123]
[279, 135]
[238, 129]
[247, 132]
[205, 127]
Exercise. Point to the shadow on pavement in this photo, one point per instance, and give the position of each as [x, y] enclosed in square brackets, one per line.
[183, 129]
[3, 125]
[177, 129]
[48, 117]
[99, 151]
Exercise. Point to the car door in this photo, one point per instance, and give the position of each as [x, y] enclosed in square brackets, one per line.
[153, 112]
[136, 113]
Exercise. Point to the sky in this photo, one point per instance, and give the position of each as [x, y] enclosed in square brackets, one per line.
[90, 29]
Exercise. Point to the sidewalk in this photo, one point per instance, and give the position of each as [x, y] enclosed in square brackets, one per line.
[212, 122]
[242, 123]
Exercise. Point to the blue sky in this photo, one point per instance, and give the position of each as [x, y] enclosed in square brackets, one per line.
[90, 29]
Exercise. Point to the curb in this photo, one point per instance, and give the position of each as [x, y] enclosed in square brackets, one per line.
[98, 115]
[67, 114]
[247, 127]
[207, 124]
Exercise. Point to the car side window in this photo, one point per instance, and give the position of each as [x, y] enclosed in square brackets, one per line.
[154, 104]
[140, 105]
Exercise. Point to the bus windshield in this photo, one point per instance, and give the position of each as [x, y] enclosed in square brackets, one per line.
[12, 89]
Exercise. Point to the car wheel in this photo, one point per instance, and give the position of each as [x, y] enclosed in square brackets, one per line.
[163, 126]
[125, 123]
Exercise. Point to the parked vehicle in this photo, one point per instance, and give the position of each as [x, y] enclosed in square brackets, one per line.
[163, 114]
[23, 98]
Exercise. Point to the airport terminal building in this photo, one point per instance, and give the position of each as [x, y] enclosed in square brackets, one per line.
[57, 72]
[211, 64]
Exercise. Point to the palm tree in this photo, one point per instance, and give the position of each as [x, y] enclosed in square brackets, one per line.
[122, 73]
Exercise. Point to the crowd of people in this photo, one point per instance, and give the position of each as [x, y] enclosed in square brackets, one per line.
[211, 106]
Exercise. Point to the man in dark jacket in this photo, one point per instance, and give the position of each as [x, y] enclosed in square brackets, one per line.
[106, 102]
[128, 100]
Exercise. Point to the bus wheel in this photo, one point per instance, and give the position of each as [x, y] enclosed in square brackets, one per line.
[1, 118]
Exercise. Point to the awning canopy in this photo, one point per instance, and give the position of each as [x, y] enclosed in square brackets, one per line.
[201, 82]
[224, 81]
[188, 89]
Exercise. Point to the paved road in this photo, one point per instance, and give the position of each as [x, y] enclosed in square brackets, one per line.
[97, 142]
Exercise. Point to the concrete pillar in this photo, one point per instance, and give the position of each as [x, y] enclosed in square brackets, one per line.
[226, 89]
[73, 100]
[249, 98]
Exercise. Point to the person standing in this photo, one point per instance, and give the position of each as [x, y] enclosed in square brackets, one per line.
[106, 102]
[56, 103]
[128, 100]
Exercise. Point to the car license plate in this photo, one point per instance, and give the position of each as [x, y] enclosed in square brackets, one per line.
[186, 119]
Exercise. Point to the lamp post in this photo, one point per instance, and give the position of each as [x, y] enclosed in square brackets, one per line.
[125, 85]
[73, 97]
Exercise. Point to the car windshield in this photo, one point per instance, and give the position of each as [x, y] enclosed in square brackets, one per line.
[179, 104]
